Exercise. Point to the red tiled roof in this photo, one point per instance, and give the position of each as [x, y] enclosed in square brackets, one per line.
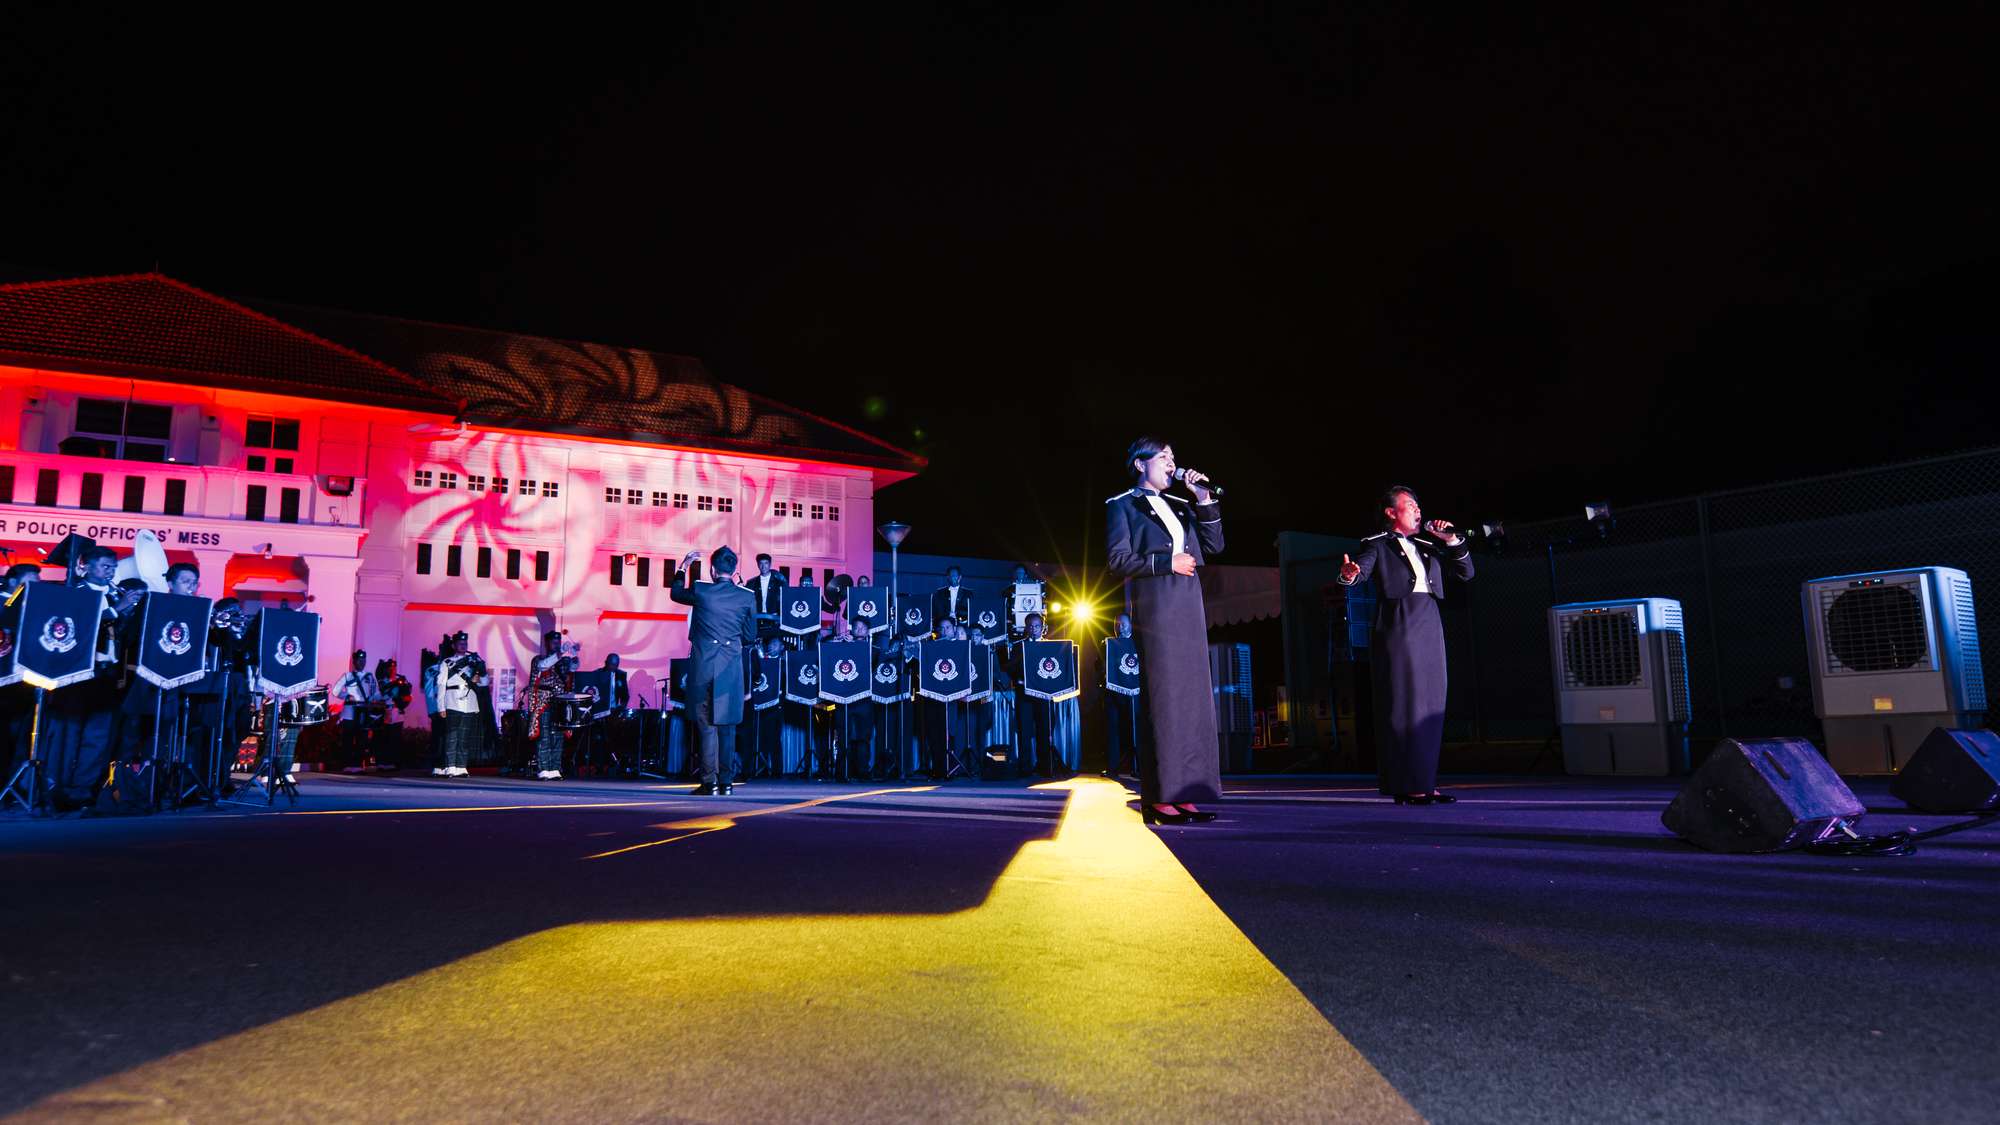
[150, 325]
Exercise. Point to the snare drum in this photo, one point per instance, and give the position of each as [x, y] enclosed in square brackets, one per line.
[306, 709]
[571, 711]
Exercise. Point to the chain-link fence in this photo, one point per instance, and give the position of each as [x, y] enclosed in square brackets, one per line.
[1735, 561]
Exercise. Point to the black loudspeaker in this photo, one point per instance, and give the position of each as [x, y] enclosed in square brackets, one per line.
[1953, 771]
[1763, 796]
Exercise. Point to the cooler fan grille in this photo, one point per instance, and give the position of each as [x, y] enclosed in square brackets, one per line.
[1601, 650]
[1876, 628]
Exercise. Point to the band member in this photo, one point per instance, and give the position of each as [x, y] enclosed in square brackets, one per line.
[1034, 719]
[144, 706]
[1155, 542]
[548, 677]
[723, 622]
[82, 719]
[361, 705]
[1121, 722]
[952, 599]
[398, 693]
[223, 700]
[431, 664]
[460, 676]
[1406, 646]
[942, 732]
[769, 586]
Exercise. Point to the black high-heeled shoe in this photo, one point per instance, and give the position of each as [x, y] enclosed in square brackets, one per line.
[1419, 799]
[1198, 816]
[1443, 799]
[1151, 815]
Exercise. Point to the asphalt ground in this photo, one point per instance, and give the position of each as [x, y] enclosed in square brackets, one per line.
[414, 948]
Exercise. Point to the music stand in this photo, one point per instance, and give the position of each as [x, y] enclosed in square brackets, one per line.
[37, 800]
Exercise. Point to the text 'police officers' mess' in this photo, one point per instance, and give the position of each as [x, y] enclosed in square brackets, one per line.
[51, 529]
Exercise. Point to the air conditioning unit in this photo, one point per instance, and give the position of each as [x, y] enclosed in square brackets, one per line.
[1621, 678]
[1229, 677]
[1894, 654]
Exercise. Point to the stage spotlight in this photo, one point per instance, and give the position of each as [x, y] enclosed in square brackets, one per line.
[1082, 611]
[631, 558]
[1598, 511]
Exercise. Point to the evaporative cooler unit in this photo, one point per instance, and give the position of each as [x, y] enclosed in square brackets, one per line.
[1621, 678]
[1895, 654]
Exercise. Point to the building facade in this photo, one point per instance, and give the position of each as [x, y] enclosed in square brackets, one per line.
[407, 480]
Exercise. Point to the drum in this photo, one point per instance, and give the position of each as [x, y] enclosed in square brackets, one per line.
[571, 711]
[306, 709]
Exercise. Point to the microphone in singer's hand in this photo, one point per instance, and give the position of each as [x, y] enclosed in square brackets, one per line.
[1213, 488]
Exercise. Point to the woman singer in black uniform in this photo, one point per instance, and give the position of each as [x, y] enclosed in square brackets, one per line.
[1155, 542]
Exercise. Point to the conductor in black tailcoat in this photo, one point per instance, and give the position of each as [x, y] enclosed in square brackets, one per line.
[1406, 646]
[723, 623]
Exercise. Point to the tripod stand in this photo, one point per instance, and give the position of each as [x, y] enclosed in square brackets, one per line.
[179, 780]
[267, 772]
[37, 800]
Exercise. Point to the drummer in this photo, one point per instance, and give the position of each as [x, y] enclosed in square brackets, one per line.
[361, 708]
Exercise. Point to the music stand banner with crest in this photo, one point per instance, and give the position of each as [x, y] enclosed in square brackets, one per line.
[1048, 670]
[845, 671]
[802, 676]
[52, 629]
[892, 679]
[1121, 665]
[798, 609]
[287, 651]
[987, 615]
[767, 675]
[944, 670]
[915, 620]
[173, 639]
[868, 610]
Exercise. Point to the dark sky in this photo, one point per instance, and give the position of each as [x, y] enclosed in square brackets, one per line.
[1519, 261]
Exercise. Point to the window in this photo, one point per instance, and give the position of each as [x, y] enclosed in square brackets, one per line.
[135, 494]
[6, 484]
[423, 558]
[91, 496]
[288, 505]
[618, 570]
[680, 499]
[177, 497]
[724, 504]
[500, 485]
[112, 427]
[475, 482]
[423, 478]
[660, 500]
[46, 483]
[645, 569]
[447, 480]
[635, 496]
[833, 512]
[264, 438]
[454, 561]
[485, 563]
[704, 504]
[554, 488]
[527, 487]
[254, 499]
[778, 510]
[514, 562]
[541, 566]
[614, 495]
[819, 511]
[798, 512]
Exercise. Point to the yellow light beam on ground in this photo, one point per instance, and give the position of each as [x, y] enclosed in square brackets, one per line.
[705, 824]
[480, 808]
[1096, 980]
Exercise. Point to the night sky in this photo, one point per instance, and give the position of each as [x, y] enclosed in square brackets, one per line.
[1518, 261]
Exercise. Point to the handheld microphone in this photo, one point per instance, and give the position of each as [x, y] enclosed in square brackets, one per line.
[1213, 488]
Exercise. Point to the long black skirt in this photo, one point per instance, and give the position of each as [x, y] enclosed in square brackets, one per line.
[1406, 662]
[1181, 762]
